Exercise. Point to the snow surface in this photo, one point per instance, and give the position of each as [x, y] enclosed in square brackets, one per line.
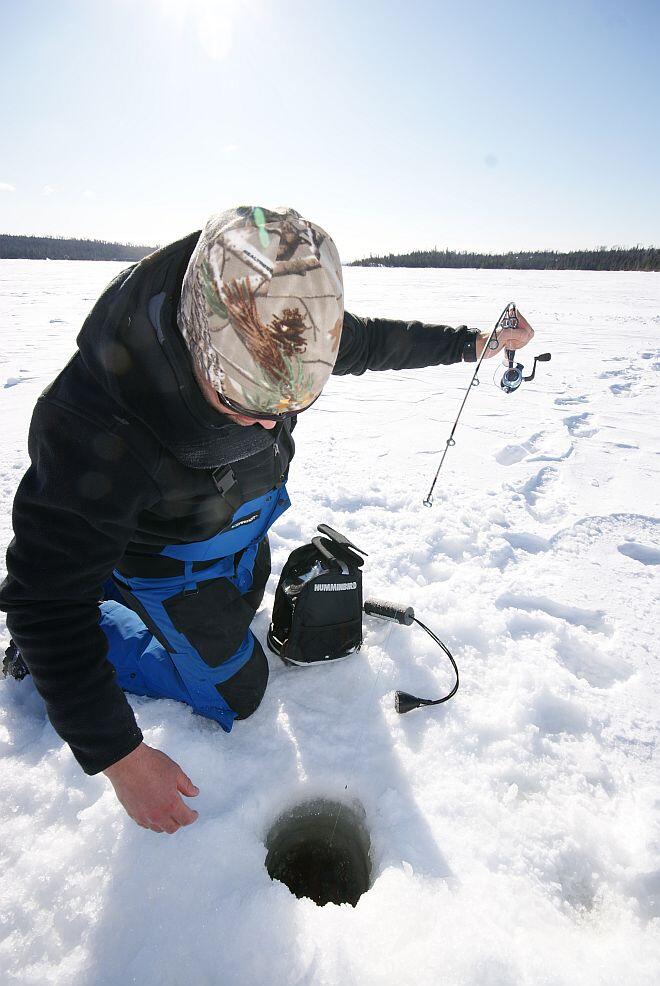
[515, 834]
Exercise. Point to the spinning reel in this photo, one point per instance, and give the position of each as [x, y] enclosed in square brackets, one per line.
[513, 375]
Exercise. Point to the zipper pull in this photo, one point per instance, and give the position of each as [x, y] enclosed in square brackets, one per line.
[278, 462]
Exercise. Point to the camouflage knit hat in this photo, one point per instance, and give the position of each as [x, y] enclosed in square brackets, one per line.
[262, 309]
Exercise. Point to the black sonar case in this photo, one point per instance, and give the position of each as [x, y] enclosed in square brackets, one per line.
[317, 613]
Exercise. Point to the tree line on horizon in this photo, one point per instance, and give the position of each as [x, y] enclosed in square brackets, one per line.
[14, 247]
[637, 258]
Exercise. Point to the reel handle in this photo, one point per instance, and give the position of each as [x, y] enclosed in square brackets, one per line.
[543, 358]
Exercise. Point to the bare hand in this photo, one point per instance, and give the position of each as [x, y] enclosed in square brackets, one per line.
[506, 338]
[149, 785]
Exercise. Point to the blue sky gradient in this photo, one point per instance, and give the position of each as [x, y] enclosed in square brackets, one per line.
[485, 125]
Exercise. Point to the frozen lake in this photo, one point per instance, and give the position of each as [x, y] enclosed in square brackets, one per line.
[515, 832]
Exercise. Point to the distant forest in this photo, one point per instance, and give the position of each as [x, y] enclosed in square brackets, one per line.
[604, 258]
[57, 248]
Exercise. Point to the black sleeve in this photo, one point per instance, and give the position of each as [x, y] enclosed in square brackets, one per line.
[74, 512]
[389, 344]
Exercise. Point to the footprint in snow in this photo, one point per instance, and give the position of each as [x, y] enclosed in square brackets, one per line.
[584, 656]
[14, 381]
[562, 401]
[511, 454]
[653, 355]
[537, 485]
[576, 424]
[595, 667]
[554, 715]
[621, 388]
[640, 552]
[591, 619]
[531, 543]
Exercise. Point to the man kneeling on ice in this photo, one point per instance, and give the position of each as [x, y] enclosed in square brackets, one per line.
[159, 460]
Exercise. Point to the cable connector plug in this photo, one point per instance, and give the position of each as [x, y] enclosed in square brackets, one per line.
[405, 702]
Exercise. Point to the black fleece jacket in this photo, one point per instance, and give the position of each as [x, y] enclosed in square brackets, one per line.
[122, 446]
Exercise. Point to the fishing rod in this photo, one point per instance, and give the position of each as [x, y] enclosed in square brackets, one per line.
[511, 380]
[512, 377]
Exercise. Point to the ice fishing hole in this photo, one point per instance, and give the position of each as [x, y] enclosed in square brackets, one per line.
[320, 849]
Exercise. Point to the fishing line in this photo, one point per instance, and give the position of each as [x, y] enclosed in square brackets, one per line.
[405, 701]
[511, 380]
[297, 639]
[367, 703]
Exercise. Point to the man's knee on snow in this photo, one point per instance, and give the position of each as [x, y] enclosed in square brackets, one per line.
[244, 691]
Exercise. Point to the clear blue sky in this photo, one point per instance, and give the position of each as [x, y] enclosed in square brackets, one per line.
[486, 124]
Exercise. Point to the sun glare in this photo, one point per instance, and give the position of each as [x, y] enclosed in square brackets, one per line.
[213, 20]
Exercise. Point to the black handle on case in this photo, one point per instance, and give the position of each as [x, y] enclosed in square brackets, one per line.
[339, 539]
[389, 611]
[325, 552]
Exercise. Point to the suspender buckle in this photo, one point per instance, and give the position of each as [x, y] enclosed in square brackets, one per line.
[224, 479]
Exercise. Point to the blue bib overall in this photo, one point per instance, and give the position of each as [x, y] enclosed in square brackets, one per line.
[187, 636]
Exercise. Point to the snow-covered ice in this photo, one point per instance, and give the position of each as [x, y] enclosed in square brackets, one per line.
[515, 831]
